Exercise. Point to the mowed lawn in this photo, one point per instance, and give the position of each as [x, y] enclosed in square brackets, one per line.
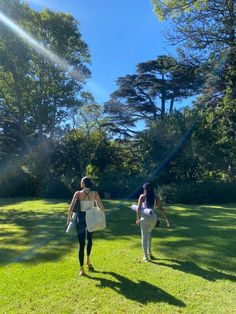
[193, 272]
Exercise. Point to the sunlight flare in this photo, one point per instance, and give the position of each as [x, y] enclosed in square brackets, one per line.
[41, 48]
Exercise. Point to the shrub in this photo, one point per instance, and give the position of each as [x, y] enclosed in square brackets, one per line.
[18, 183]
[199, 192]
[56, 188]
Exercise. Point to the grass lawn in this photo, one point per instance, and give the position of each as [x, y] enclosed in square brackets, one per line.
[194, 269]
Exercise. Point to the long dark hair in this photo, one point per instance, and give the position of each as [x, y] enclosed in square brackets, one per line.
[88, 182]
[150, 195]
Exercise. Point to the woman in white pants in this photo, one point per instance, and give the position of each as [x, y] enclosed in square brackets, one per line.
[147, 222]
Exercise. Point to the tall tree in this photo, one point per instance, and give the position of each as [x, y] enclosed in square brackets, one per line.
[206, 29]
[145, 96]
[36, 94]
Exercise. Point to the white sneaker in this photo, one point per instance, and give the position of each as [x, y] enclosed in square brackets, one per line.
[145, 259]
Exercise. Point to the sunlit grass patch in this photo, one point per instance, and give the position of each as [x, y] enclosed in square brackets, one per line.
[193, 270]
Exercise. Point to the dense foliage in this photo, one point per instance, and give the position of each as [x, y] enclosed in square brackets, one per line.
[52, 132]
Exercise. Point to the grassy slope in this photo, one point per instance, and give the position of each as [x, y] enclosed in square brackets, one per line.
[194, 271]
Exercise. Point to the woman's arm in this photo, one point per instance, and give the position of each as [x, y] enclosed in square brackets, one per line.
[98, 201]
[162, 211]
[140, 201]
[72, 205]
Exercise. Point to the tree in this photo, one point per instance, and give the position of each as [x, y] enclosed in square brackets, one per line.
[144, 96]
[37, 92]
[36, 95]
[205, 26]
[172, 8]
[206, 29]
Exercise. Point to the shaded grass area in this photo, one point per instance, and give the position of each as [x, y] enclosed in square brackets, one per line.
[193, 272]
[29, 225]
[204, 235]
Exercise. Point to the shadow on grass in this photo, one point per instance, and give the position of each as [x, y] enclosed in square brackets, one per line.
[32, 231]
[141, 291]
[193, 268]
[207, 229]
[38, 235]
[206, 234]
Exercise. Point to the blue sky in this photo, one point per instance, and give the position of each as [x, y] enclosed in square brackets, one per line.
[120, 34]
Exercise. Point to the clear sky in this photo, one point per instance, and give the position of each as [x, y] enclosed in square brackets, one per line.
[120, 34]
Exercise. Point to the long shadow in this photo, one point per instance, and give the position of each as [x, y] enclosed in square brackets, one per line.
[203, 233]
[141, 291]
[192, 268]
[199, 228]
[34, 230]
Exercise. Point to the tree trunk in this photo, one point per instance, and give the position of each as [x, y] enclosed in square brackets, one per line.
[163, 98]
[172, 104]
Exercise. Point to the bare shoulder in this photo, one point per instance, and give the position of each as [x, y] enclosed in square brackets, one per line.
[142, 197]
[77, 194]
[96, 194]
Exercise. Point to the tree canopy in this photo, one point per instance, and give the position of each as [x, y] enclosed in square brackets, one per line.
[150, 94]
[52, 131]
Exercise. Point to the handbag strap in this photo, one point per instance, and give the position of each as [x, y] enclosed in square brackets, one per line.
[93, 197]
[94, 201]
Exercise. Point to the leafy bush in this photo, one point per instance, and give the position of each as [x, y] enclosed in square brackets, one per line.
[199, 192]
[18, 183]
[56, 188]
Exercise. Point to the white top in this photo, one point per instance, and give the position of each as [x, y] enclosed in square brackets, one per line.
[86, 204]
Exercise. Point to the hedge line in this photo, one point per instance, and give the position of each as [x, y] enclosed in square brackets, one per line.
[199, 192]
[23, 184]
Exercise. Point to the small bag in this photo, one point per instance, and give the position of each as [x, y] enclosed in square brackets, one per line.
[95, 219]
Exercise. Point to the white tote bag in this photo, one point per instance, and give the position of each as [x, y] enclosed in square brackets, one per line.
[95, 219]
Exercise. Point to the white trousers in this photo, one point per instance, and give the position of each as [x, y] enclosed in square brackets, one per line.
[147, 223]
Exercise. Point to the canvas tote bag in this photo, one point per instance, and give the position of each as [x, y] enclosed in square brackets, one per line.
[95, 218]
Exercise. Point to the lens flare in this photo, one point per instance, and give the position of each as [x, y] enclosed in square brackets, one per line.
[95, 88]
[41, 48]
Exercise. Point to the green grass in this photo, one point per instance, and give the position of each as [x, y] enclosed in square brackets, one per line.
[194, 269]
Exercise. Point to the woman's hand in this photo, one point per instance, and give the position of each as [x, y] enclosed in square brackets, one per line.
[137, 221]
[69, 218]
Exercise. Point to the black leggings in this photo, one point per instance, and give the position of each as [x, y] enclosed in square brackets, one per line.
[82, 232]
